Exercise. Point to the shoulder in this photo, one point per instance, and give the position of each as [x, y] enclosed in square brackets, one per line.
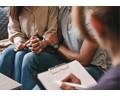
[113, 72]
[110, 81]
[111, 75]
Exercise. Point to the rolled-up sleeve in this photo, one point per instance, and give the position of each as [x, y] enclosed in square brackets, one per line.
[15, 34]
[52, 21]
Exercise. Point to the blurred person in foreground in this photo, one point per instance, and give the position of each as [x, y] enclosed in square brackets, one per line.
[105, 23]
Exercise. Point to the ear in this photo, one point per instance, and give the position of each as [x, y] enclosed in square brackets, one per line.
[98, 26]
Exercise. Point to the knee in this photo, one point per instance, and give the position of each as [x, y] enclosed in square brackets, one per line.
[21, 53]
[29, 56]
[9, 50]
[28, 60]
[8, 54]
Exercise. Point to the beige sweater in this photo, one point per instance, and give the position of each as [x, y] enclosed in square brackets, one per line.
[42, 19]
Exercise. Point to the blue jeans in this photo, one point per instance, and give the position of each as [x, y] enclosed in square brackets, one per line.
[7, 61]
[18, 64]
[94, 71]
[34, 64]
[11, 62]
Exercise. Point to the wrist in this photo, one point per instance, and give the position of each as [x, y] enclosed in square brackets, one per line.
[46, 43]
[56, 46]
[18, 42]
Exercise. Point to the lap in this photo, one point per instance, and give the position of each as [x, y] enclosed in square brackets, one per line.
[8, 50]
[94, 71]
[20, 54]
[42, 61]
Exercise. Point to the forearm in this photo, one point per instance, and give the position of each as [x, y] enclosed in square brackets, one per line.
[71, 55]
[14, 30]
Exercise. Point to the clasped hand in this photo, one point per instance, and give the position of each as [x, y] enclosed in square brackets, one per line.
[51, 38]
[34, 44]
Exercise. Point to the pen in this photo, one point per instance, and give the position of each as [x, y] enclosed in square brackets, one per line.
[77, 86]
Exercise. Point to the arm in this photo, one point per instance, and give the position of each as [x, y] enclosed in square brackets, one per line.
[110, 81]
[15, 34]
[85, 55]
[52, 21]
[39, 45]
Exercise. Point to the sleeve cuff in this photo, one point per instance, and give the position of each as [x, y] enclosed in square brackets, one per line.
[18, 39]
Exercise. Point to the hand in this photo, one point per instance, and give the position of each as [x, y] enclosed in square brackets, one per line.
[71, 78]
[28, 43]
[51, 38]
[38, 45]
[18, 46]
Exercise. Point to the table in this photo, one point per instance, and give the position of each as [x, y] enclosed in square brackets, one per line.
[7, 83]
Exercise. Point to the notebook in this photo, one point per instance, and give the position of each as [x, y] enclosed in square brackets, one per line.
[47, 79]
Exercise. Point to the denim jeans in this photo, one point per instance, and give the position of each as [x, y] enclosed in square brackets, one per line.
[34, 64]
[94, 71]
[7, 61]
[11, 62]
[23, 65]
[18, 64]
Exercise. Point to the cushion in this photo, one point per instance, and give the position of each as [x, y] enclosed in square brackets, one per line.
[3, 23]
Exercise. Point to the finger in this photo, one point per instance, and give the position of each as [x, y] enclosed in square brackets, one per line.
[16, 49]
[44, 44]
[66, 87]
[74, 79]
[19, 45]
[36, 48]
[35, 44]
[27, 42]
[67, 79]
[33, 37]
[30, 48]
[16, 46]
[39, 51]
[29, 45]
[40, 45]
[34, 40]
[34, 52]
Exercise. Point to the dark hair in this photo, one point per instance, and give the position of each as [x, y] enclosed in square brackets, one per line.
[15, 11]
[108, 15]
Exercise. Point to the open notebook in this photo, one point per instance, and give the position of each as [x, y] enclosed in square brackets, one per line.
[47, 79]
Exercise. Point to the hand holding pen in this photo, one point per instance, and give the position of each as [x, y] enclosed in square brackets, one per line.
[76, 86]
[72, 79]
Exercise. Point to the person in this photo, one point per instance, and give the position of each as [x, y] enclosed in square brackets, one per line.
[105, 23]
[73, 48]
[27, 25]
